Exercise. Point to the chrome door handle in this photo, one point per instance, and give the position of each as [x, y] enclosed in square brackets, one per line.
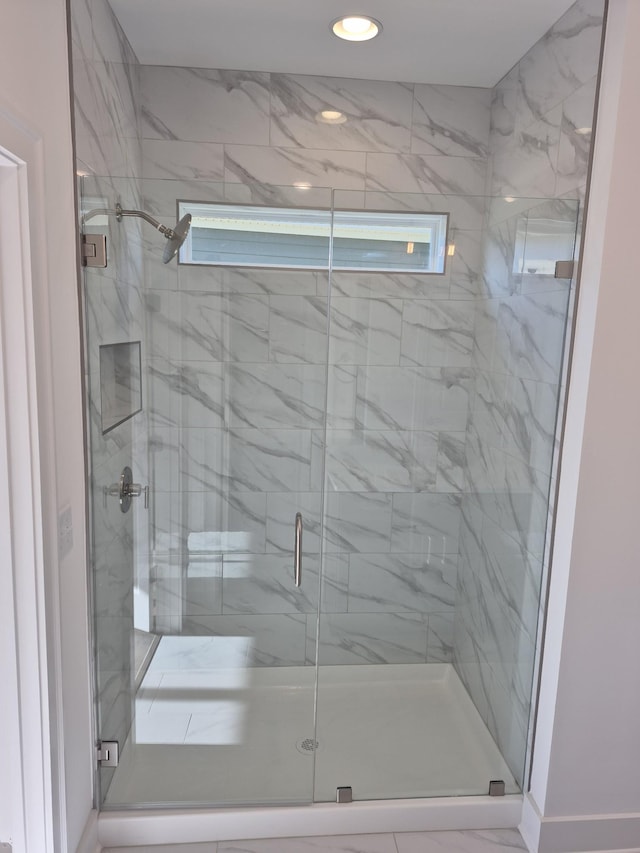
[297, 560]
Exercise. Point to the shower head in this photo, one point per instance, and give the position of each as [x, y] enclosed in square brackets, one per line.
[176, 236]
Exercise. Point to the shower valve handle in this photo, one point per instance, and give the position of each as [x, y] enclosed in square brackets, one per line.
[125, 489]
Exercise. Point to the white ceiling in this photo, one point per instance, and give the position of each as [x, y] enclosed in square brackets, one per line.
[461, 42]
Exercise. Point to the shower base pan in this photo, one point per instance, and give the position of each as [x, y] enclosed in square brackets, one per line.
[206, 735]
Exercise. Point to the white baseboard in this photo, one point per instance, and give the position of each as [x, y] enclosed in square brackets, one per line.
[89, 842]
[604, 833]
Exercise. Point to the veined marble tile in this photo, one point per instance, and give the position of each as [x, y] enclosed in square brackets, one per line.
[246, 460]
[161, 195]
[276, 395]
[223, 328]
[562, 61]
[465, 211]
[440, 637]
[264, 583]
[469, 841]
[341, 396]
[473, 670]
[452, 462]
[276, 282]
[350, 638]
[248, 164]
[388, 286]
[219, 523]
[110, 42]
[437, 333]
[530, 412]
[191, 395]
[114, 643]
[381, 460]
[405, 398]
[299, 194]
[425, 523]
[115, 703]
[298, 329]
[452, 120]
[378, 114]
[503, 109]
[173, 158]
[113, 579]
[514, 575]
[491, 350]
[464, 270]
[273, 640]
[498, 278]
[528, 166]
[365, 331]
[81, 29]
[573, 156]
[232, 106]
[411, 173]
[535, 325]
[392, 583]
[328, 844]
[357, 522]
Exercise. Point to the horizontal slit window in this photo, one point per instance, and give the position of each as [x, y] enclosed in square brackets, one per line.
[301, 238]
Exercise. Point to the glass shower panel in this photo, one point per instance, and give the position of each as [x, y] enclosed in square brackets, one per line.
[234, 369]
[117, 435]
[441, 408]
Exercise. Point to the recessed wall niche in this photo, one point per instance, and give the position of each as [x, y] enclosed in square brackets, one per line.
[120, 384]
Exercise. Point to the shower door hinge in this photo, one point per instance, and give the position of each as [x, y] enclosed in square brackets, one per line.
[564, 269]
[496, 788]
[107, 753]
[94, 250]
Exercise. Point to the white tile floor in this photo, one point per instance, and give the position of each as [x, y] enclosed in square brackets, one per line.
[386, 731]
[481, 841]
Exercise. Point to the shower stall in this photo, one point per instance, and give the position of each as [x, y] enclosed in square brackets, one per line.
[324, 437]
[312, 448]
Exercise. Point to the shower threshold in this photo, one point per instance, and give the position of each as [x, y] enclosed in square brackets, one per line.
[207, 735]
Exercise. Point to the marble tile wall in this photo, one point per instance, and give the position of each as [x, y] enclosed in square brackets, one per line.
[106, 93]
[519, 362]
[238, 378]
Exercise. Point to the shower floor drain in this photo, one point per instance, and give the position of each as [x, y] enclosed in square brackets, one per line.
[307, 745]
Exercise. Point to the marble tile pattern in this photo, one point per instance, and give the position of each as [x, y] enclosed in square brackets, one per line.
[518, 359]
[462, 841]
[106, 99]
[239, 396]
[439, 399]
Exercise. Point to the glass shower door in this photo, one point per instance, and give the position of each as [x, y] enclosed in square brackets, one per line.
[233, 362]
[441, 410]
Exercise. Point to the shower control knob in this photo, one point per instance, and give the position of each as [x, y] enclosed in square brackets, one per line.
[125, 489]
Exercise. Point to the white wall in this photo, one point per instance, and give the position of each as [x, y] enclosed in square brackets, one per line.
[588, 743]
[34, 88]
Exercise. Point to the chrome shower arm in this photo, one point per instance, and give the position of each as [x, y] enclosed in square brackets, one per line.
[163, 229]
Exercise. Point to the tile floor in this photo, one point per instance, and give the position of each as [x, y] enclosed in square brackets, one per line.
[479, 841]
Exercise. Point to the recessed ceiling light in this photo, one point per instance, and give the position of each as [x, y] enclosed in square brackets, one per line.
[331, 117]
[583, 131]
[509, 199]
[356, 28]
